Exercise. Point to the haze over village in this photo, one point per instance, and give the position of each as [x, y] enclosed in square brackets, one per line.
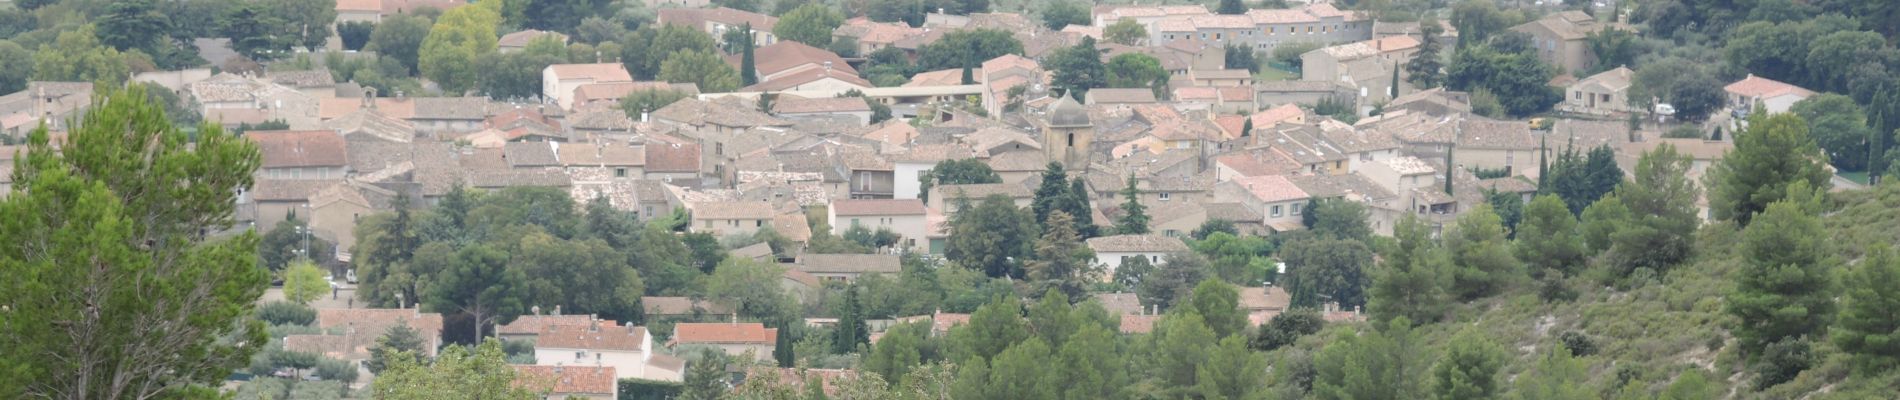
[949, 199]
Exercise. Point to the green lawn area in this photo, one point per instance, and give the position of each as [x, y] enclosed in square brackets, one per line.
[1274, 74]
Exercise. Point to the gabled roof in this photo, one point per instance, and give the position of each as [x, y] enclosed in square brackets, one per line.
[372, 123]
[1759, 87]
[533, 324]
[848, 263]
[599, 73]
[1120, 303]
[788, 54]
[1121, 96]
[1271, 188]
[821, 105]
[567, 379]
[733, 210]
[1146, 243]
[596, 335]
[787, 82]
[299, 149]
[724, 333]
[1264, 298]
[1614, 80]
[601, 154]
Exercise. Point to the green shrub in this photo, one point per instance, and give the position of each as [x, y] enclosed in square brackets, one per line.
[283, 312]
[1782, 361]
[331, 369]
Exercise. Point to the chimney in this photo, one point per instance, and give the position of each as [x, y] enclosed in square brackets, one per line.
[535, 309]
[735, 318]
[827, 66]
[557, 309]
[399, 93]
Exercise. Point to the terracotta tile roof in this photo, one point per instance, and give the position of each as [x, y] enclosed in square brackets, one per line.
[302, 79]
[1019, 161]
[1271, 188]
[296, 149]
[1123, 304]
[522, 38]
[821, 106]
[530, 154]
[334, 107]
[790, 81]
[371, 123]
[1755, 86]
[369, 323]
[602, 154]
[533, 324]
[602, 335]
[724, 333]
[1121, 96]
[615, 90]
[1264, 298]
[1146, 243]
[1358, 50]
[1509, 184]
[878, 207]
[793, 226]
[947, 77]
[1235, 212]
[599, 73]
[1480, 133]
[786, 54]
[1260, 162]
[559, 380]
[359, 5]
[1139, 323]
[1353, 186]
[294, 190]
[657, 305]
[699, 113]
[225, 116]
[1409, 165]
[977, 191]
[451, 108]
[672, 157]
[1222, 74]
[848, 263]
[733, 210]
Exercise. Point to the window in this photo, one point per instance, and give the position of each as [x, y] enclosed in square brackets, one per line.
[1164, 196]
[580, 355]
[732, 223]
[1171, 233]
[1203, 35]
[1276, 211]
[620, 172]
[1606, 98]
[1072, 140]
[854, 222]
[1578, 95]
[758, 223]
[1296, 208]
[719, 149]
[1217, 36]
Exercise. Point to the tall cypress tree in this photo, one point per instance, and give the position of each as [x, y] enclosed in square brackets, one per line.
[1080, 208]
[1134, 220]
[851, 330]
[748, 69]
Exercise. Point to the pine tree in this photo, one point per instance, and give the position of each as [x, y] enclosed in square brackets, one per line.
[1219, 306]
[114, 289]
[1868, 328]
[1782, 291]
[1050, 195]
[1662, 214]
[1469, 370]
[1774, 152]
[400, 342]
[1548, 238]
[1134, 220]
[1382, 364]
[706, 377]
[1062, 262]
[1410, 284]
[1425, 67]
[1484, 261]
